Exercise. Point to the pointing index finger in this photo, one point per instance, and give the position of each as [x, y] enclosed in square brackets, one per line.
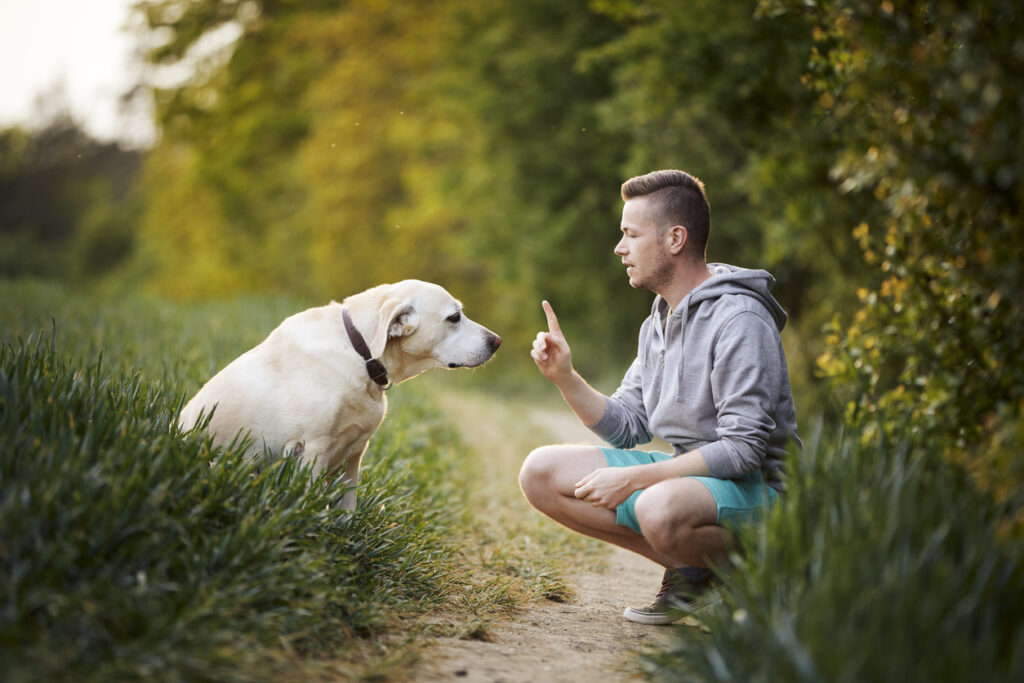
[549, 313]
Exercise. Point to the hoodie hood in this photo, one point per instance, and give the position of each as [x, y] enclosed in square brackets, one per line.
[726, 279]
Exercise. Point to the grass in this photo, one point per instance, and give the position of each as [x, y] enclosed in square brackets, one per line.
[884, 564]
[516, 555]
[125, 554]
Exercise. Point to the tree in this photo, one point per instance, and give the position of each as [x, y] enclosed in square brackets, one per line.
[718, 89]
[928, 96]
[540, 175]
[67, 202]
[336, 146]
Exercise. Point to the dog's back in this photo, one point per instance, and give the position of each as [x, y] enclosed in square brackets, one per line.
[290, 386]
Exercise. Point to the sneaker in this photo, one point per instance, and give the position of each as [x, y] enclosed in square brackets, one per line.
[676, 593]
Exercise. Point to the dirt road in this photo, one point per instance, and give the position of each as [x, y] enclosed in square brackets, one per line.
[586, 640]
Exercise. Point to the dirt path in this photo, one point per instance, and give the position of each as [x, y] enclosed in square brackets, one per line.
[586, 640]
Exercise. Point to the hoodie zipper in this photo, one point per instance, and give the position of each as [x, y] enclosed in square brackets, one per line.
[664, 341]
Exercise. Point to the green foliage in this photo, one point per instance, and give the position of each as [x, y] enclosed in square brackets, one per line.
[889, 560]
[339, 147]
[301, 148]
[715, 88]
[851, 147]
[170, 344]
[924, 94]
[381, 134]
[222, 187]
[127, 552]
[68, 204]
[541, 181]
[481, 145]
[878, 566]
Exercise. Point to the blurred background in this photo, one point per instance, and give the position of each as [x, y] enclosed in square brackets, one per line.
[868, 154]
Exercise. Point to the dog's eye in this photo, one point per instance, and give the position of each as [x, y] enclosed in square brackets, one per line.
[454, 317]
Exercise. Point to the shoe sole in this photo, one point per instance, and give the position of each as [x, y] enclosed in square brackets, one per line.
[651, 618]
[661, 617]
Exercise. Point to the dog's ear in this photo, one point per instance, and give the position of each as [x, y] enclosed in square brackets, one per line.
[396, 318]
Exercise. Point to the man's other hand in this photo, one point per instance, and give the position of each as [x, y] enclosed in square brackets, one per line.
[608, 487]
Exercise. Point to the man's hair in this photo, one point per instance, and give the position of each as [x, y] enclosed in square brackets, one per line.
[679, 199]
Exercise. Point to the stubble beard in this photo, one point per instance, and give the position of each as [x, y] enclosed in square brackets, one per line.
[661, 274]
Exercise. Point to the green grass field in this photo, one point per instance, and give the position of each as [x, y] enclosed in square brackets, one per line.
[125, 554]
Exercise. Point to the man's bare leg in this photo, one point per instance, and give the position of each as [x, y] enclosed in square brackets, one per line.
[677, 516]
[678, 520]
[548, 479]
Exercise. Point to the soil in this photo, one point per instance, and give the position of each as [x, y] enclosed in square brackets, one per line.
[588, 640]
[585, 640]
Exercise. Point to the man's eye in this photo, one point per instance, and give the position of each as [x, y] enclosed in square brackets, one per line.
[454, 317]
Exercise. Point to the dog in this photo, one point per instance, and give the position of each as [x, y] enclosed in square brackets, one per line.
[314, 388]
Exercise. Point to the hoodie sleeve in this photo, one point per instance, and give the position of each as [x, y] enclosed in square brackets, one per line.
[625, 422]
[748, 364]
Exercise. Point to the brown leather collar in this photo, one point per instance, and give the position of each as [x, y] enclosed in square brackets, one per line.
[378, 373]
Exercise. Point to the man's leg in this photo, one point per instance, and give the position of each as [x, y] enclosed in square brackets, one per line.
[548, 479]
[677, 517]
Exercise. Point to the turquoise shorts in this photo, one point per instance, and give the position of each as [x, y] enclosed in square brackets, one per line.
[739, 500]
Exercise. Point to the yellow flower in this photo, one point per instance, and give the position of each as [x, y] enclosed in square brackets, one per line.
[860, 233]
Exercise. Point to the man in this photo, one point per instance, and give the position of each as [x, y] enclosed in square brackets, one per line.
[710, 378]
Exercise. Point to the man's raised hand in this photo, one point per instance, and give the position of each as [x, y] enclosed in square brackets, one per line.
[550, 350]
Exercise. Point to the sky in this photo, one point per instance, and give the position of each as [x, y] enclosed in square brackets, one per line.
[79, 47]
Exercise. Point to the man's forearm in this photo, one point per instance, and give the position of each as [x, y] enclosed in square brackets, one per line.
[588, 403]
[690, 464]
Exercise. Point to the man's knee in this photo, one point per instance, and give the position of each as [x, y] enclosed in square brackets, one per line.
[553, 470]
[536, 474]
[655, 515]
[668, 513]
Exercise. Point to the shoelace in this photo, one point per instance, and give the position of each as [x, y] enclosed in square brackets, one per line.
[668, 587]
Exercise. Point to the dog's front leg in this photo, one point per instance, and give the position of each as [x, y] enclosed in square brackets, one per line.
[348, 501]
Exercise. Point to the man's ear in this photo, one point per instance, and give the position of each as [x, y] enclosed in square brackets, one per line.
[676, 238]
[395, 318]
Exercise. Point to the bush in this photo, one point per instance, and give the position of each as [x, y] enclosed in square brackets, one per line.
[922, 93]
[880, 566]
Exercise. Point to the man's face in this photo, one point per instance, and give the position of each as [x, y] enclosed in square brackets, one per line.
[642, 248]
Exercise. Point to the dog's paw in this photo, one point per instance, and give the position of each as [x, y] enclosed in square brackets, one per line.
[295, 450]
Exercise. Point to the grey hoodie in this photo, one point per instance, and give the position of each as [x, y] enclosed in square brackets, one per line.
[711, 376]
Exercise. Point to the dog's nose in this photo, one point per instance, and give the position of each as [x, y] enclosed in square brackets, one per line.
[495, 342]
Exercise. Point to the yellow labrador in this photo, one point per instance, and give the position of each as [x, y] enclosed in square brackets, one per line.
[315, 387]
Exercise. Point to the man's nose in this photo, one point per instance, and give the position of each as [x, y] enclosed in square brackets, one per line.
[620, 248]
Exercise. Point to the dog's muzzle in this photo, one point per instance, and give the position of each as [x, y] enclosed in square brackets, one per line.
[492, 341]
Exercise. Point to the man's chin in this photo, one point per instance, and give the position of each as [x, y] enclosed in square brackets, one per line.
[637, 284]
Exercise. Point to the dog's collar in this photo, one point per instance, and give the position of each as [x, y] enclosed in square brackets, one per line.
[378, 373]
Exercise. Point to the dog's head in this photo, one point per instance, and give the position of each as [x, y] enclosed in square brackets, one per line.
[420, 326]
